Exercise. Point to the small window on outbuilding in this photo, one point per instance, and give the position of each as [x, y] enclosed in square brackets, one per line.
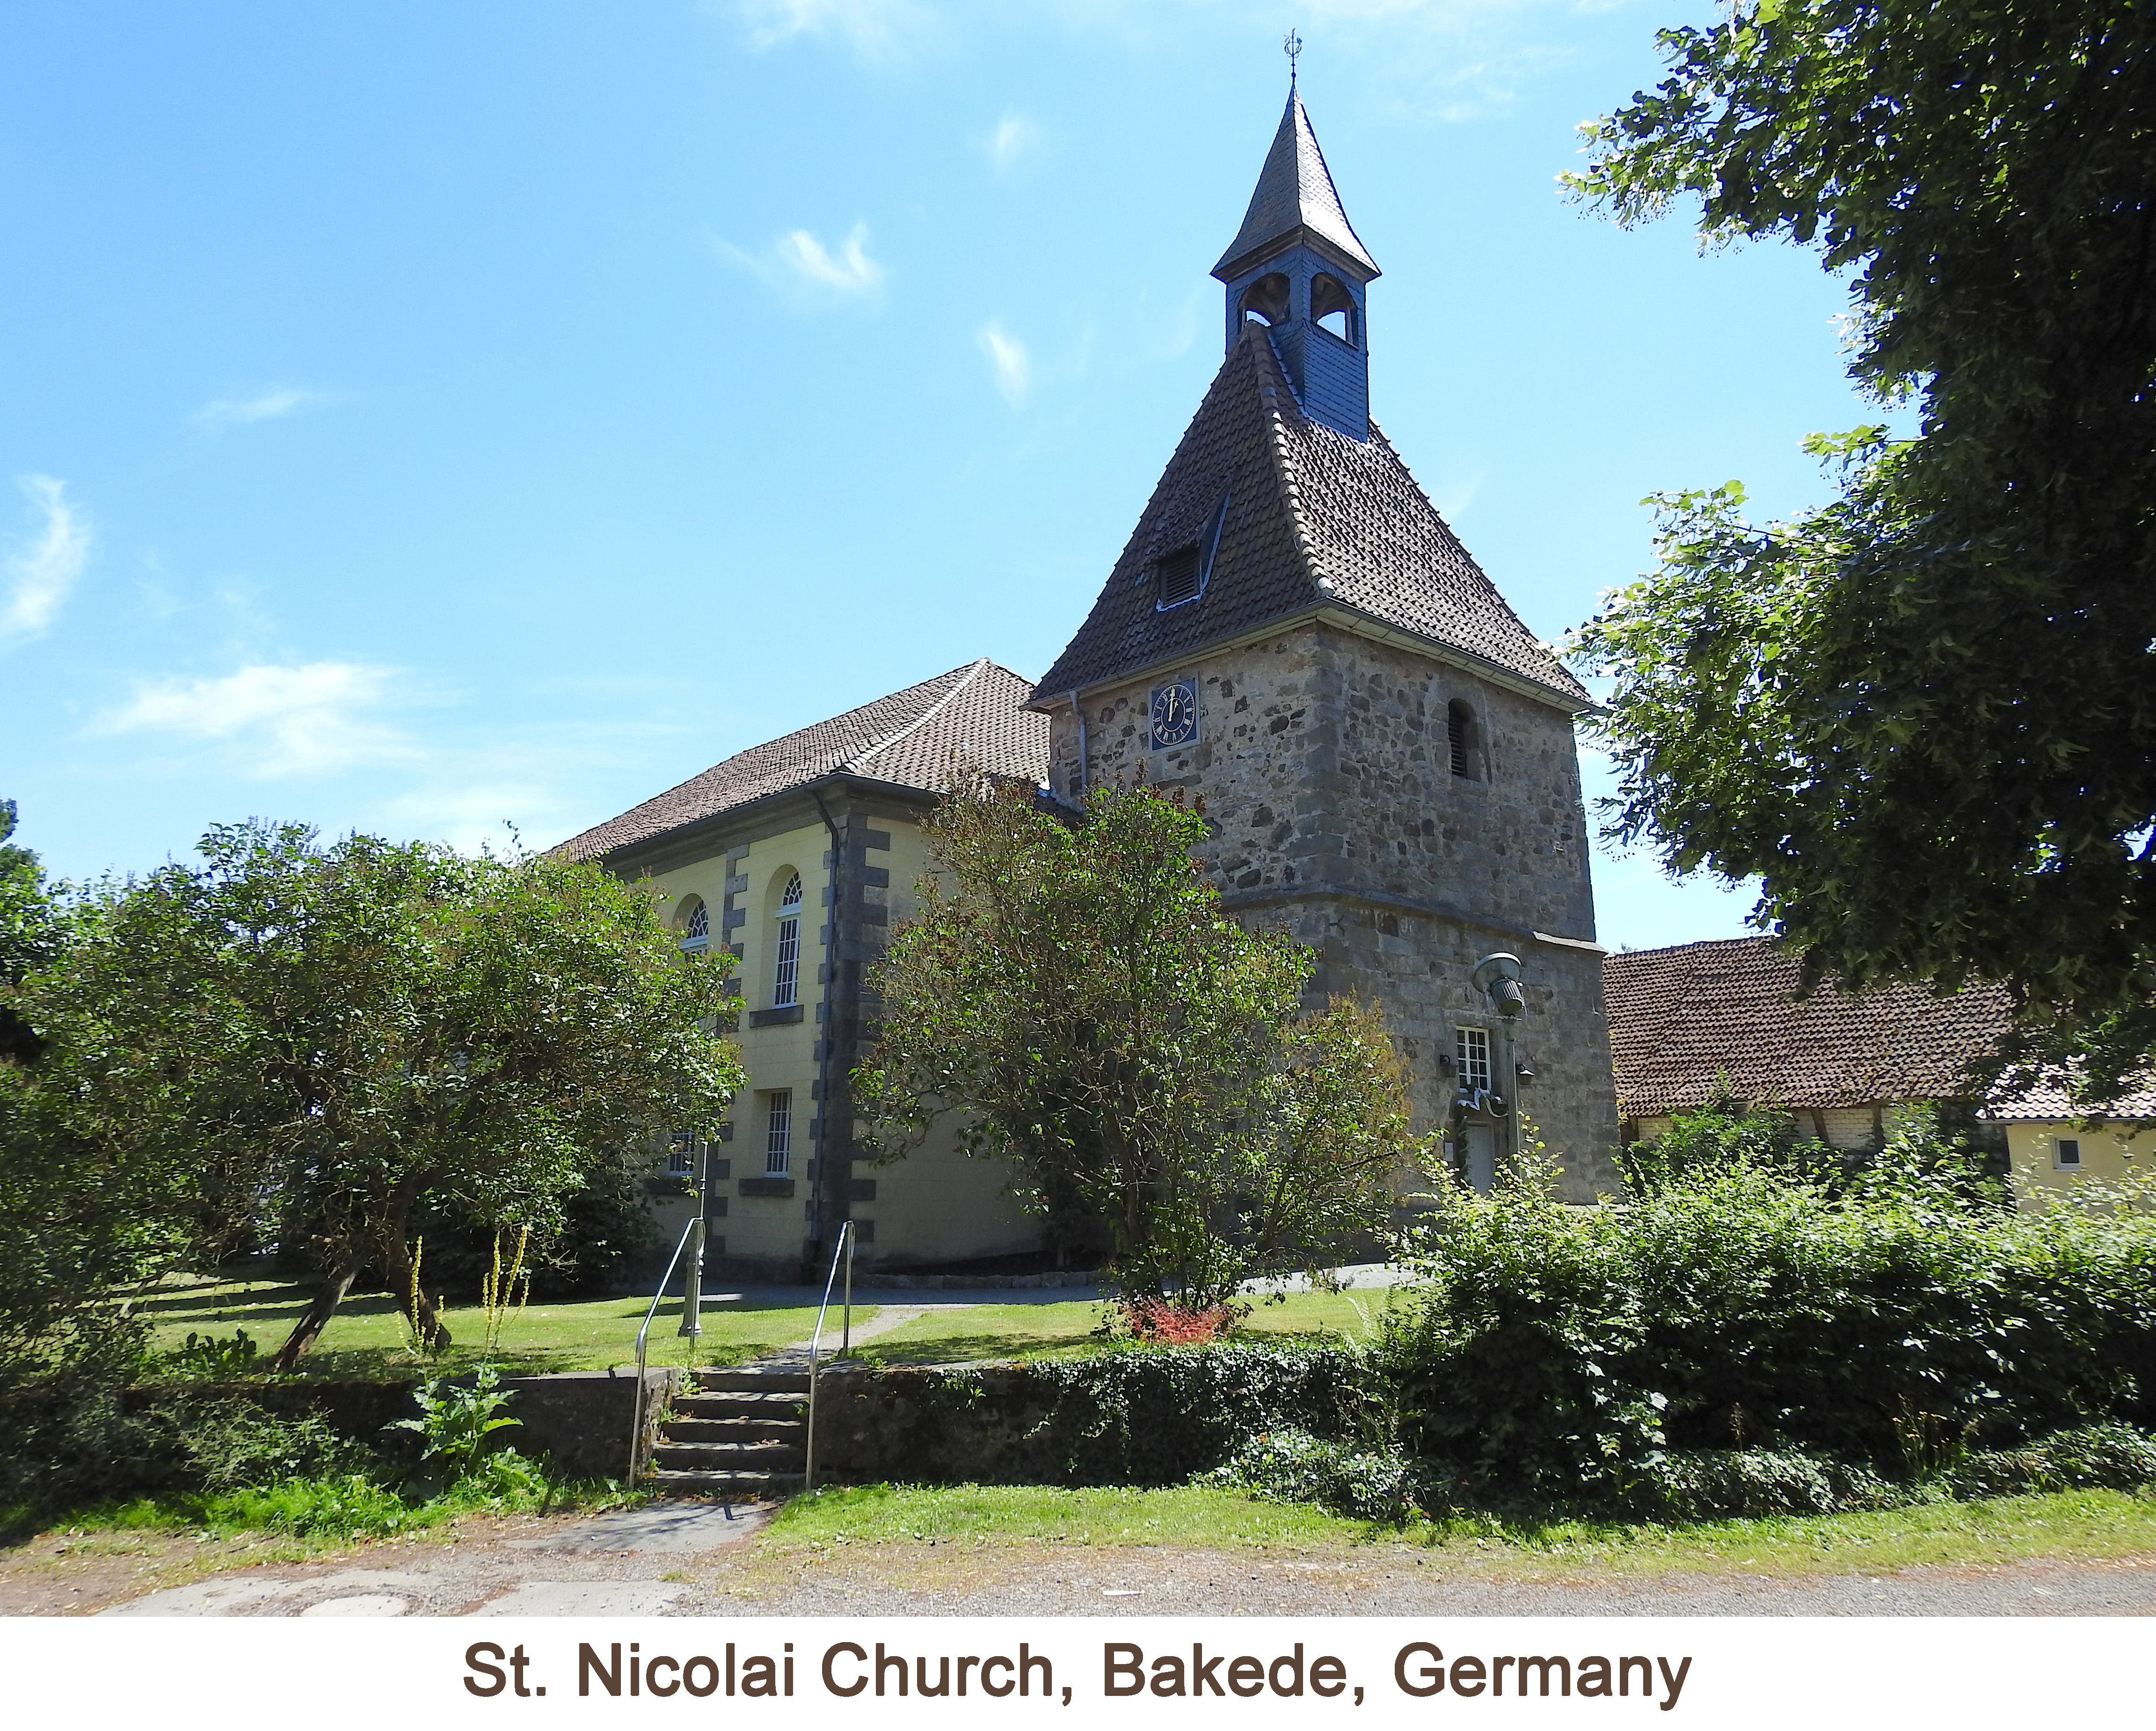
[2069, 1153]
[1464, 738]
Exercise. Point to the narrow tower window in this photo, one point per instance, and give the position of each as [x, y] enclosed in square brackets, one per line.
[1464, 737]
[786, 971]
[1474, 1054]
[779, 1133]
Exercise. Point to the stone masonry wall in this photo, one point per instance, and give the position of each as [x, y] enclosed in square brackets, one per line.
[1324, 761]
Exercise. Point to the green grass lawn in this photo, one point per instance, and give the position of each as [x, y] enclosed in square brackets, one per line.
[366, 1337]
[2084, 1524]
[1013, 1330]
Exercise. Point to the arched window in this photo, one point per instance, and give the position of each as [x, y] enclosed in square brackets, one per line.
[1333, 306]
[1463, 735]
[786, 969]
[695, 926]
[1266, 300]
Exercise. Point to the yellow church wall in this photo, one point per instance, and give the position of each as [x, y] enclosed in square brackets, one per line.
[2110, 1156]
[934, 1205]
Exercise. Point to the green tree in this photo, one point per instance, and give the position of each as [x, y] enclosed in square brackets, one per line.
[1076, 994]
[30, 931]
[1923, 715]
[346, 1033]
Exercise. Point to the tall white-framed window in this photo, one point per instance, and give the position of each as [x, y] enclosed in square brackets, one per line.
[786, 969]
[1473, 1049]
[696, 929]
[681, 1154]
[777, 1132]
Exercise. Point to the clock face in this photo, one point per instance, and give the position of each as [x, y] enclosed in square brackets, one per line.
[1175, 715]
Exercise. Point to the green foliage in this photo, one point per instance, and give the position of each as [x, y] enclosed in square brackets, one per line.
[1123, 1415]
[31, 933]
[2111, 1456]
[457, 1417]
[1144, 1063]
[213, 1355]
[228, 1444]
[1291, 1466]
[1715, 1484]
[1892, 1321]
[360, 1030]
[1922, 714]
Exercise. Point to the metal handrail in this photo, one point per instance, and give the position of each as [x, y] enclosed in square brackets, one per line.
[694, 1230]
[844, 1248]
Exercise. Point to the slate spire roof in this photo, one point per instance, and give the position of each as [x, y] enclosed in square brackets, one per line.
[1295, 198]
[973, 714]
[1316, 521]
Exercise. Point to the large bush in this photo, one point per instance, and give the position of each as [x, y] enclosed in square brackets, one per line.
[1894, 1320]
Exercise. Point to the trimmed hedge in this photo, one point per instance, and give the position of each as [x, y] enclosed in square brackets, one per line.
[1893, 1323]
[1126, 1416]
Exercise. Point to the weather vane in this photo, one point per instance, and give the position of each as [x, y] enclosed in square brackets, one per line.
[1292, 46]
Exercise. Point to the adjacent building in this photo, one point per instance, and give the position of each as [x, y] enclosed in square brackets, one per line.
[1699, 1021]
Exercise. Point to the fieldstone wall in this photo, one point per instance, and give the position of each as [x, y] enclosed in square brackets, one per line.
[1324, 761]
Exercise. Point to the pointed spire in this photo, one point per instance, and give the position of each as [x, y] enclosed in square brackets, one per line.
[1295, 200]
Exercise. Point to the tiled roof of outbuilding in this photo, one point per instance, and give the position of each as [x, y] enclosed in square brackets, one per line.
[973, 714]
[2050, 1104]
[1687, 1021]
[1315, 518]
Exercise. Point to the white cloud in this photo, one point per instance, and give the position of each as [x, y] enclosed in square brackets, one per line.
[472, 815]
[307, 719]
[1013, 135]
[881, 32]
[269, 405]
[1008, 360]
[41, 574]
[800, 263]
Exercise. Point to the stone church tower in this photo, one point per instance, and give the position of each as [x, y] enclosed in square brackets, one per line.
[1385, 752]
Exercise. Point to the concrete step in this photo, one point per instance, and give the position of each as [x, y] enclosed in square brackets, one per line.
[679, 1429]
[726, 1456]
[743, 1485]
[747, 1381]
[778, 1408]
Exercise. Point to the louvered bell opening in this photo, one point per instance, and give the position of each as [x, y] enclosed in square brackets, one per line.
[1177, 574]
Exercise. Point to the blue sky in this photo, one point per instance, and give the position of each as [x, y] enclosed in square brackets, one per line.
[418, 418]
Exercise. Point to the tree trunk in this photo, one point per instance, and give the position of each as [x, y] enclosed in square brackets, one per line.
[336, 1283]
[397, 1268]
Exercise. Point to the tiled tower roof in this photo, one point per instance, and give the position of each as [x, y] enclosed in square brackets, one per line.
[913, 738]
[1294, 199]
[1315, 519]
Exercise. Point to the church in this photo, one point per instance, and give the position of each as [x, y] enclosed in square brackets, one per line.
[1293, 635]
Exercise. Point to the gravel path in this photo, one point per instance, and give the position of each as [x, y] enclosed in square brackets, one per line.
[700, 1559]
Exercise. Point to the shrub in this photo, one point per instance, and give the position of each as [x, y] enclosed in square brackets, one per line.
[2112, 1456]
[1892, 1320]
[1713, 1484]
[456, 1418]
[1291, 1466]
[213, 1355]
[229, 1443]
[1164, 1322]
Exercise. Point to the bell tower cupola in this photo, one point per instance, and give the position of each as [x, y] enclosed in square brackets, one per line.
[1296, 267]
